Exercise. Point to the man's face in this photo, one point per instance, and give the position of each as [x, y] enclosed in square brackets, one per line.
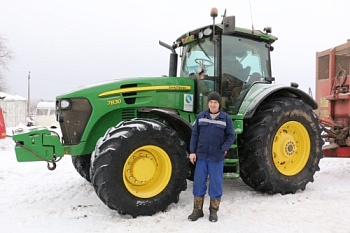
[213, 106]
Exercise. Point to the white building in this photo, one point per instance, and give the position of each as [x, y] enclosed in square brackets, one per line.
[14, 109]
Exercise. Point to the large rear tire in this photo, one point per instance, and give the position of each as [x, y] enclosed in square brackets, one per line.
[139, 167]
[281, 147]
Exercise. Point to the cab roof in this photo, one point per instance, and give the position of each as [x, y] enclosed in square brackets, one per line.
[242, 32]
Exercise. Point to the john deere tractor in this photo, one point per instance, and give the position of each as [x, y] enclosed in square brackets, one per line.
[130, 137]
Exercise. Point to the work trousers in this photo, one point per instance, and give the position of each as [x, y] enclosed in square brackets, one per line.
[213, 170]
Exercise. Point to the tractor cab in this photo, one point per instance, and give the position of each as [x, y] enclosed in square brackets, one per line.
[231, 71]
[226, 59]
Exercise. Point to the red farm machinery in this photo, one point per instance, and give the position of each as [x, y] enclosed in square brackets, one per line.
[2, 126]
[333, 98]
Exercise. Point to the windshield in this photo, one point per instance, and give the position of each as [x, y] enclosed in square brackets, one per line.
[198, 62]
[198, 55]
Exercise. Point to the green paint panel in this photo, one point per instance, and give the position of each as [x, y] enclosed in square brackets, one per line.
[37, 144]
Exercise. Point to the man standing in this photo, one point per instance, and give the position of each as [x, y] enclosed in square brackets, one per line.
[212, 136]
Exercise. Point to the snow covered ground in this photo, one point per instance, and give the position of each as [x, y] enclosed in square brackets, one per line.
[34, 199]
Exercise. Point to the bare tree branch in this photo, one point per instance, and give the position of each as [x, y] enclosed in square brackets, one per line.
[5, 57]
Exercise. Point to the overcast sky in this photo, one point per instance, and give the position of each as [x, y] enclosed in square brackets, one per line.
[67, 44]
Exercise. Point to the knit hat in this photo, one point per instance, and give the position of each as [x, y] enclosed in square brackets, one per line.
[214, 96]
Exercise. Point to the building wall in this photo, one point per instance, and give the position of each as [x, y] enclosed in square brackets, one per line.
[14, 111]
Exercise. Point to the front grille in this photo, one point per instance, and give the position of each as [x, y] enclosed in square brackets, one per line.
[128, 114]
[73, 120]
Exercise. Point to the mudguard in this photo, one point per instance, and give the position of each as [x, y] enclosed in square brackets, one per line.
[181, 126]
[260, 91]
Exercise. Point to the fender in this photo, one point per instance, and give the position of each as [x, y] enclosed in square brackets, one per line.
[181, 126]
[183, 129]
[260, 92]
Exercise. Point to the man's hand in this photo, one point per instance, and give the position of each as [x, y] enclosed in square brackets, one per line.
[193, 158]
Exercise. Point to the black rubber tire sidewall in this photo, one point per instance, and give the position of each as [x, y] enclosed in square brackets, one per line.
[257, 168]
[111, 153]
[82, 165]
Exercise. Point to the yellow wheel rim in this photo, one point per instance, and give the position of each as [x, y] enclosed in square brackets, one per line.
[147, 171]
[291, 148]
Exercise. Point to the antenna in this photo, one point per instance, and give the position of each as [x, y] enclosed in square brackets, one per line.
[223, 16]
[28, 101]
[251, 15]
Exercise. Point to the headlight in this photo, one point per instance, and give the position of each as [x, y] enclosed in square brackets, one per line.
[65, 104]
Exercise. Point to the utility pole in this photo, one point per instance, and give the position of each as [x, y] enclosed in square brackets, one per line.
[28, 101]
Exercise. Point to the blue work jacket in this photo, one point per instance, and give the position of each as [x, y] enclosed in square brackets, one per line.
[212, 137]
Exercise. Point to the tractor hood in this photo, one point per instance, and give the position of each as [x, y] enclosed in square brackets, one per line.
[101, 88]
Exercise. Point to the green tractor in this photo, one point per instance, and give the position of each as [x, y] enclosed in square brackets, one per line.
[130, 137]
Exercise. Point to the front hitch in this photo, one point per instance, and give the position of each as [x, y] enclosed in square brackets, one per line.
[38, 144]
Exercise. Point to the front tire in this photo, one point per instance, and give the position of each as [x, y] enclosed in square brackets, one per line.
[82, 163]
[139, 167]
[281, 147]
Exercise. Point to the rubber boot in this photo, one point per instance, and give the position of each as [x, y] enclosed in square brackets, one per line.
[197, 209]
[213, 209]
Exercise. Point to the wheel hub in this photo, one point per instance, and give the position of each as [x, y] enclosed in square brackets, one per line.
[290, 148]
[140, 168]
